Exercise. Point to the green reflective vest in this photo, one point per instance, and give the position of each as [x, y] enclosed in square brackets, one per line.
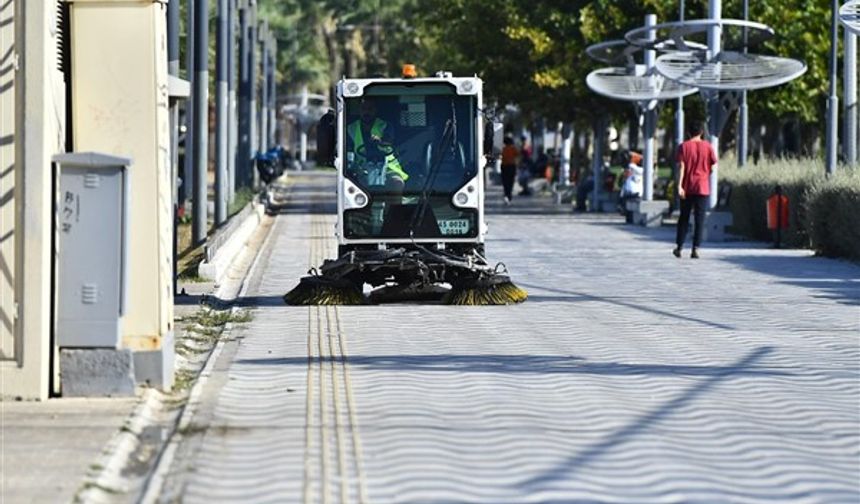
[377, 129]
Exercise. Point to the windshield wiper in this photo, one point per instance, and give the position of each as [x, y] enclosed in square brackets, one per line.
[447, 139]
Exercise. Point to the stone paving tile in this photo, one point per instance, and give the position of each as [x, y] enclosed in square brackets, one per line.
[48, 447]
[628, 376]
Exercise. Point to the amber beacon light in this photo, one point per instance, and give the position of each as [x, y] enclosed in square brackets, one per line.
[409, 71]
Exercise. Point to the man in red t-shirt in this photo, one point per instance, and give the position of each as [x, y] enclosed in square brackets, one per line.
[696, 160]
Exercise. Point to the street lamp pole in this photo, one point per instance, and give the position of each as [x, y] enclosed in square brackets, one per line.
[243, 158]
[679, 127]
[743, 109]
[650, 118]
[715, 13]
[849, 84]
[173, 18]
[833, 100]
[252, 91]
[221, 116]
[201, 124]
[264, 87]
[231, 102]
[273, 90]
[188, 162]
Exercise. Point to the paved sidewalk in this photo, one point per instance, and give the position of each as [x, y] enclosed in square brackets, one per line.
[628, 376]
[48, 447]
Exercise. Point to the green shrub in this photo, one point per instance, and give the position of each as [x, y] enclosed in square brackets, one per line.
[834, 215]
[824, 211]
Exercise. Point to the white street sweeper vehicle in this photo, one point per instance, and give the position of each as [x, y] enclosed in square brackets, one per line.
[410, 195]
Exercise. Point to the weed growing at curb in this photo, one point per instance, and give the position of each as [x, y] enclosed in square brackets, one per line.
[183, 379]
[192, 430]
[219, 318]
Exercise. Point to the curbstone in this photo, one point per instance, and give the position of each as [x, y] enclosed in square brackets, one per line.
[227, 242]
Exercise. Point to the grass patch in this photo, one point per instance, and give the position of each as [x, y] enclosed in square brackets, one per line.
[187, 351]
[93, 485]
[188, 257]
[219, 318]
[192, 430]
[173, 403]
[244, 195]
[183, 379]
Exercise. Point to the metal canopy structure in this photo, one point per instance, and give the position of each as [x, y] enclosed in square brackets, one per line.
[729, 71]
[693, 34]
[619, 83]
[617, 52]
[639, 84]
[849, 15]
[612, 52]
[710, 55]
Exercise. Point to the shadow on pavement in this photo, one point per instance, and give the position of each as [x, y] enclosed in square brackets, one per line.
[221, 304]
[537, 364]
[581, 297]
[835, 280]
[567, 468]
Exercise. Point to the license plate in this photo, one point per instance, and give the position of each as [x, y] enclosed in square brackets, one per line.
[454, 226]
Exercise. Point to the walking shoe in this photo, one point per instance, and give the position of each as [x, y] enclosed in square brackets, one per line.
[507, 200]
[677, 252]
[694, 254]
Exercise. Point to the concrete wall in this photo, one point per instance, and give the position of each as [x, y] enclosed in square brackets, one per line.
[120, 107]
[7, 183]
[38, 134]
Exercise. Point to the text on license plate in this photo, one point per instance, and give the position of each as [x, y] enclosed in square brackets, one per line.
[454, 226]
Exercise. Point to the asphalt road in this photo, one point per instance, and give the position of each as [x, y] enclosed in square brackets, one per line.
[628, 376]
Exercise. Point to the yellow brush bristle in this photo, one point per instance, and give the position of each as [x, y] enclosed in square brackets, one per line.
[501, 294]
[304, 295]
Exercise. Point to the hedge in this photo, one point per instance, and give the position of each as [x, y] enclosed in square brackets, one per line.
[824, 211]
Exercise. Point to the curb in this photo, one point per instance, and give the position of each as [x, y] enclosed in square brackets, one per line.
[108, 480]
[226, 244]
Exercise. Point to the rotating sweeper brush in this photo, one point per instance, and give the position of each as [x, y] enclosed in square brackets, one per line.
[407, 274]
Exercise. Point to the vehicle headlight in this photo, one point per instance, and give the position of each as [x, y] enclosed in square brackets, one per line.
[360, 200]
[461, 198]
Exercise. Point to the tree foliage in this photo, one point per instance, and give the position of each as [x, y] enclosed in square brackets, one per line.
[529, 53]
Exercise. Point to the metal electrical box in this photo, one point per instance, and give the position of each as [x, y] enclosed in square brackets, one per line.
[92, 246]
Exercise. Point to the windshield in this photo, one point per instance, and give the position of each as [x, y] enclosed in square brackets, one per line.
[410, 147]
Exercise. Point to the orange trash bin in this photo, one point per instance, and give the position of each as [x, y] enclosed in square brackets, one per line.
[777, 211]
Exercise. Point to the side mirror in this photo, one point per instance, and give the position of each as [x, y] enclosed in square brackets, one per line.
[326, 139]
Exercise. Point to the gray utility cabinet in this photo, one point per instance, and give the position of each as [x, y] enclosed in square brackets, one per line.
[92, 244]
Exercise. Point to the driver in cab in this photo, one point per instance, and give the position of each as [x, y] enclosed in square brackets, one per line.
[371, 141]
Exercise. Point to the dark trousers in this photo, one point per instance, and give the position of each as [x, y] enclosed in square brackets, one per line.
[509, 173]
[698, 205]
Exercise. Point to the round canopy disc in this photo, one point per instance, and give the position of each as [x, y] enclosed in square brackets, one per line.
[618, 84]
[849, 14]
[730, 71]
[611, 52]
[735, 34]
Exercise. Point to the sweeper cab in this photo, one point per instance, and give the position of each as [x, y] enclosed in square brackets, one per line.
[409, 155]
